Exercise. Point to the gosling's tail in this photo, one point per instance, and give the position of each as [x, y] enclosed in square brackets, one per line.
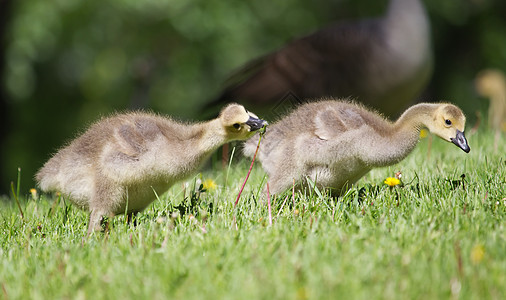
[47, 177]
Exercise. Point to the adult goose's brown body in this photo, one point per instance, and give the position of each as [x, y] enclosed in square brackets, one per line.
[383, 62]
[335, 143]
[120, 161]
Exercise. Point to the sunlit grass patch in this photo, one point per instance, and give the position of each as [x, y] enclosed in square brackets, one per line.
[439, 234]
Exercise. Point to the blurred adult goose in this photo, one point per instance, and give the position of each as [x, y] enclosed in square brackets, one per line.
[492, 84]
[383, 62]
[336, 143]
[118, 163]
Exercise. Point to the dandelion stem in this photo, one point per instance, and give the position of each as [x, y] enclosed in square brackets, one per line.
[246, 179]
[249, 172]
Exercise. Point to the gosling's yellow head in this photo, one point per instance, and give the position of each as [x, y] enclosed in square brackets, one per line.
[239, 124]
[449, 123]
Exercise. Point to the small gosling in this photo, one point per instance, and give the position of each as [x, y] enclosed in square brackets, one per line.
[118, 163]
[491, 83]
[335, 143]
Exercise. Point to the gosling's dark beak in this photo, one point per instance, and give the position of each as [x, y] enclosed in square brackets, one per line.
[255, 123]
[461, 142]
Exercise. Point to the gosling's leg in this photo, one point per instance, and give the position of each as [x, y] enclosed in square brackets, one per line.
[97, 219]
[279, 184]
[104, 203]
[95, 222]
[132, 218]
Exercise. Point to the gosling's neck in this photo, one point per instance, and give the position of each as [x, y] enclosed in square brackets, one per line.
[211, 136]
[498, 93]
[401, 137]
[416, 117]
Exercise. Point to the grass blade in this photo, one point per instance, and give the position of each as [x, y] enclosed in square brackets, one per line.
[16, 194]
[269, 204]
[17, 201]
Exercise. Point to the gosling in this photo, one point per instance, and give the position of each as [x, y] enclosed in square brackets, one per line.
[335, 143]
[119, 162]
[491, 83]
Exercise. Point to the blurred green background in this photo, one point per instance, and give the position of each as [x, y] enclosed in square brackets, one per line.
[65, 63]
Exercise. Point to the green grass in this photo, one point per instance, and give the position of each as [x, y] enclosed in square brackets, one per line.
[419, 241]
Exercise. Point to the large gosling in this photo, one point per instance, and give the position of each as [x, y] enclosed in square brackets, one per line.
[335, 143]
[118, 163]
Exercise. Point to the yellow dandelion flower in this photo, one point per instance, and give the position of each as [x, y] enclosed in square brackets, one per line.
[34, 194]
[424, 133]
[477, 254]
[392, 181]
[209, 184]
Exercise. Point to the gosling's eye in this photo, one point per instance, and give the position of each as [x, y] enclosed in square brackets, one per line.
[237, 125]
[448, 122]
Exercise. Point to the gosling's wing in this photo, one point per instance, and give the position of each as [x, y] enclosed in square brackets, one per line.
[332, 122]
[129, 140]
[130, 144]
[128, 154]
[338, 129]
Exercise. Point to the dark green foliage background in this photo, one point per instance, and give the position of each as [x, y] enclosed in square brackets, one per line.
[68, 62]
